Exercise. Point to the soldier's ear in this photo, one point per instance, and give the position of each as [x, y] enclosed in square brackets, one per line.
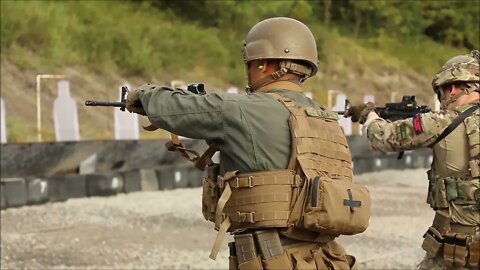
[264, 66]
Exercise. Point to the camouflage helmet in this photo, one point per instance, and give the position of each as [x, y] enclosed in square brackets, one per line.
[462, 68]
[282, 38]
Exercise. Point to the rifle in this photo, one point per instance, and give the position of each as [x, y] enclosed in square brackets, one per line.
[396, 110]
[195, 88]
[120, 104]
[174, 144]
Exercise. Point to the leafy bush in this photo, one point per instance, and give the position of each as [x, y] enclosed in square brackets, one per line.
[155, 38]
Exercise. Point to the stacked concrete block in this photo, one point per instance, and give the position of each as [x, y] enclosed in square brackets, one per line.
[140, 180]
[14, 192]
[3, 199]
[131, 181]
[148, 179]
[166, 177]
[61, 188]
[104, 184]
[37, 190]
[181, 176]
[195, 177]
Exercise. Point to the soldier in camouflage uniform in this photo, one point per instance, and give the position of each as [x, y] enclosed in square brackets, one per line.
[257, 192]
[452, 242]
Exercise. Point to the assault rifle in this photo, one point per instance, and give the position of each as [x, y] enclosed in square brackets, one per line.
[195, 88]
[120, 103]
[396, 110]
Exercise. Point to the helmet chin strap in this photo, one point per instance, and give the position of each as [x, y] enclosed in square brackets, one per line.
[272, 77]
[286, 66]
[452, 99]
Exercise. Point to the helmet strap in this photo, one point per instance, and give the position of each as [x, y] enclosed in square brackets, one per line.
[272, 77]
[453, 99]
[286, 66]
[296, 68]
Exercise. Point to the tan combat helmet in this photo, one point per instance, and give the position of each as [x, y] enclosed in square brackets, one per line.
[285, 39]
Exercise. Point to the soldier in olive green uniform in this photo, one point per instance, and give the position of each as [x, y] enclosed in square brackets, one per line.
[270, 149]
[453, 239]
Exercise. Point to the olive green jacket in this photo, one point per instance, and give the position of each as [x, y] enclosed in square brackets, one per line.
[251, 131]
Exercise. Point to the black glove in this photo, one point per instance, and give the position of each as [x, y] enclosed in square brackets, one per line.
[133, 103]
[359, 113]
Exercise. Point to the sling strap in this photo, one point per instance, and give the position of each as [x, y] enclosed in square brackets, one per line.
[455, 123]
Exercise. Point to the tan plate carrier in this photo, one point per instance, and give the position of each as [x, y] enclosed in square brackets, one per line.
[313, 200]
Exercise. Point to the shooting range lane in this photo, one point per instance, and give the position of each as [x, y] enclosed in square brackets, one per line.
[166, 230]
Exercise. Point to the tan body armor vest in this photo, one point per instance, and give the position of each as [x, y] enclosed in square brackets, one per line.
[313, 200]
[454, 192]
[455, 174]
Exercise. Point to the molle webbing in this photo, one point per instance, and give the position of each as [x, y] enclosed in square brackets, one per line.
[253, 179]
[318, 143]
[315, 165]
[261, 199]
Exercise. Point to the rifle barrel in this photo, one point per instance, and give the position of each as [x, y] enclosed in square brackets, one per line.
[104, 103]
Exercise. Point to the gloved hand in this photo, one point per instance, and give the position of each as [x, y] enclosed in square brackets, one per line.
[359, 113]
[133, 103]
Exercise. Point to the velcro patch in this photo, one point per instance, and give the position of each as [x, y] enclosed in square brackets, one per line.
[417, 124]
[401, 132]
[321, 114]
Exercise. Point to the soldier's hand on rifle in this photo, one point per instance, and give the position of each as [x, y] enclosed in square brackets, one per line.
[133, 103]
[359, 113]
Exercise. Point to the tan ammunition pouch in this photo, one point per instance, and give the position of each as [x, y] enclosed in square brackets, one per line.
[442, 191]
[265, 250]
[455, 243]
[211, 192]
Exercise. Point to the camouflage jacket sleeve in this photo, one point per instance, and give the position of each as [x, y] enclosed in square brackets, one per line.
[407, 134]
[184, 113]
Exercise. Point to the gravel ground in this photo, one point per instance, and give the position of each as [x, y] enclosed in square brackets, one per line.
[166, 230]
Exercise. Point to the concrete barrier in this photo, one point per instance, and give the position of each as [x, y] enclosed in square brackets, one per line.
[39, 172]
[148, 179]
[166, 177]
[37, 190]
[104, 184]
[61, 188]
[14, 191]
[63, 158]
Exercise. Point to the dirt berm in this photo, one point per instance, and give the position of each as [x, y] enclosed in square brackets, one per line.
[166, 230]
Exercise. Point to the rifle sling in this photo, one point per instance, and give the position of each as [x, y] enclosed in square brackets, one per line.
[455, 123]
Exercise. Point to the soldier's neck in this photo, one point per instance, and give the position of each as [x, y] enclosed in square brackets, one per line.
[288, 85]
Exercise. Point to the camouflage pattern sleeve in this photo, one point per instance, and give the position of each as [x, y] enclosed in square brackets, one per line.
[407, 134]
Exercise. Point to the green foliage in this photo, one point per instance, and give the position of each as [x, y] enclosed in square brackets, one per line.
[154, 38]
[131, 38]
[18, 130]
[452, 22]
